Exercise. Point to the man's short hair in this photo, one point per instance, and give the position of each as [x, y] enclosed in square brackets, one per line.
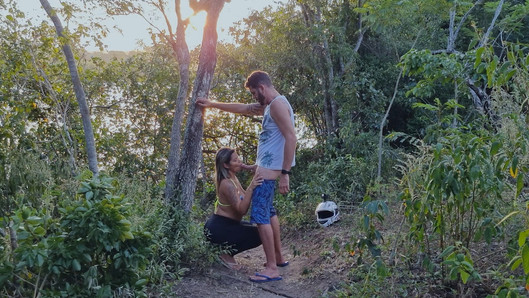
[257, 78]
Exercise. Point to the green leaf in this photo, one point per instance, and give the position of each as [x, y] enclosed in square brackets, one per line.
[525, 259]
[519, 184]
[382, 271]
[23, 235]
[127, 235]
[34, 220]
[509, 75]
[447, 251]
[514, 164]
[516, 263]
[40, 260]
[372, 208]
[479, 52]
[141, 282]
[467, 264]
[495, 147]
[464, 276]
[76, 265]
[39, 231]
[125, 223]
[87, 258]
[488, 233]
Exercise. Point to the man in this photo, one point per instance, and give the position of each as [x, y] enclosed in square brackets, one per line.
[275, 158]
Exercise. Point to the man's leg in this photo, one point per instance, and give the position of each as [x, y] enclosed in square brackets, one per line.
[267, 238]
[262, 200]
[274, 222]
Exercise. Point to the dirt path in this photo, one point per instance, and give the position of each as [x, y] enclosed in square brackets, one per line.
[313, 269]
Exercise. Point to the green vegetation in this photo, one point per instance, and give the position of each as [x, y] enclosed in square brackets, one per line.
[452, 77]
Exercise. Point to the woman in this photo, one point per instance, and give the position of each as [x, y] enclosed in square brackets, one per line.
[225, 226]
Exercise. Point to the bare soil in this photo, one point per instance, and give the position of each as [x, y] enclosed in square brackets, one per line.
[314, 269]
[323, 265]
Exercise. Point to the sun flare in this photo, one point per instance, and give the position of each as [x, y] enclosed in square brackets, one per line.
[196, 21]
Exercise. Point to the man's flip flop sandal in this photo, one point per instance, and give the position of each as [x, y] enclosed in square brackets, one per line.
[267, 278]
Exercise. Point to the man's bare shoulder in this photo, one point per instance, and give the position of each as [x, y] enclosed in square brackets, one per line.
[279, 107]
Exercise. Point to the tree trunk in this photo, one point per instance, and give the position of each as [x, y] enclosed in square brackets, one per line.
[181, 51]
[185, 182]
[78, 88]
[330, 107]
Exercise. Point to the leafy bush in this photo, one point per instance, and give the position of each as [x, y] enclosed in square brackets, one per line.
[25, 180]
[91, 249]
[453, 192]
[343, 178]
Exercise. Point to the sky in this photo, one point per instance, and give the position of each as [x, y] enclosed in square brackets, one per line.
[134, 28]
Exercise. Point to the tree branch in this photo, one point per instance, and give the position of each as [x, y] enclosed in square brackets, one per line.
[12, 236]
[451, 42]
[381, 128]
[360, 30]
[491, 26]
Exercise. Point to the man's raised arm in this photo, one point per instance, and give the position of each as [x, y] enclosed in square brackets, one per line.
[237, 108]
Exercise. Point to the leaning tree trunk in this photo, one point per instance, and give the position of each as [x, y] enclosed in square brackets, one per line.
[186, 177]
[181, 51]
[77, 86]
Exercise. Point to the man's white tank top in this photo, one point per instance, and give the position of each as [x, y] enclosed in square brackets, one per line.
[270, 150]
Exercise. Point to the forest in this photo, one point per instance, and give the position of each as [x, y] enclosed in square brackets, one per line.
[411, 115]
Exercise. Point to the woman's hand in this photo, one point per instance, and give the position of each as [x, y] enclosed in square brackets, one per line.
[256, 181]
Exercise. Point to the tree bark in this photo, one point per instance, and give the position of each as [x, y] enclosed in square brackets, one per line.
[78, 88]
[181, 52]
[13, 240]
[185, 182]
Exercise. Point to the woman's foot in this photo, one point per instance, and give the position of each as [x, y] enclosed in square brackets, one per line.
[229, 262]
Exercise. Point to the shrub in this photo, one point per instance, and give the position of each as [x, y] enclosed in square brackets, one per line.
[91, 249]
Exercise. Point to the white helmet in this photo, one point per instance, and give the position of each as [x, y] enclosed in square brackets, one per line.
[327, 213]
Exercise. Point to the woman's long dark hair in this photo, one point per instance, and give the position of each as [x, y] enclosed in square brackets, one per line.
[223, 156]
